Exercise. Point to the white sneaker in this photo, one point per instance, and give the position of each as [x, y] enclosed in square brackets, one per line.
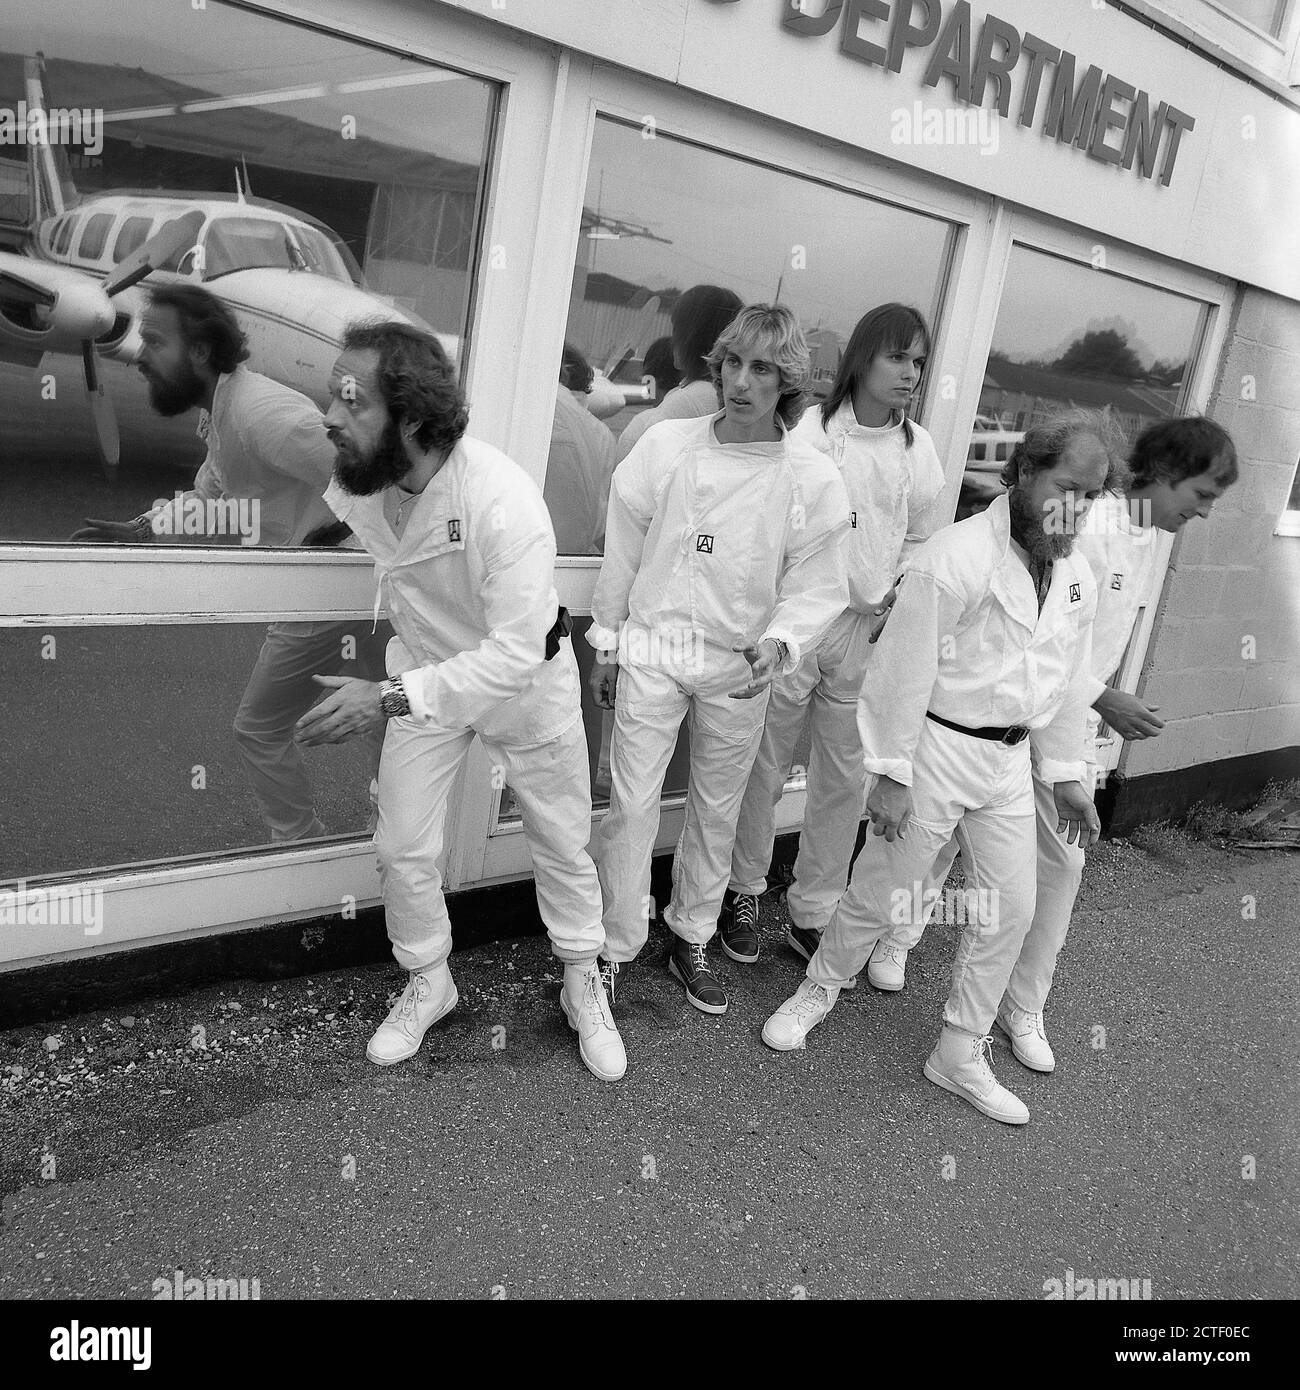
[960, 1063]
[1029, 1043]
[887, 968]
[428, 996]
[582, 997]
[799, 1015]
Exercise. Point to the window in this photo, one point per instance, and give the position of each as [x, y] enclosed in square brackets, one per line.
[1289, 522]
[1264, 15]
[1068, 335]
[134, 233]
[94, 235]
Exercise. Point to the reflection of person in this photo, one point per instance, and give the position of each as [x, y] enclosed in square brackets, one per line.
[986, 655]
[723, 565]
[267, 448]
[1179, 467]
[465, 554]
[659, 366]
[894, 480]
[699, 315]
[579, 465]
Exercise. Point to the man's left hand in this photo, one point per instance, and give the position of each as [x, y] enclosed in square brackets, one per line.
[764, 663]
[352, 709]
[1077, 817]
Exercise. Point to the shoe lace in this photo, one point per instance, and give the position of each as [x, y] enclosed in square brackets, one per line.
[982, 1056]
[746, 910]
[596, 996]
[699, 961]
[417, 988]
[810, 998]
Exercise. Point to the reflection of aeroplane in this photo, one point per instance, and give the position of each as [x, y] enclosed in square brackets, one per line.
[291, 282]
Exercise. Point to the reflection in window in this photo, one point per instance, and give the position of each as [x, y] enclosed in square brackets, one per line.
[672, 232]
[126, 745]
[1265, 15]
[1068, 335]
[358, 194]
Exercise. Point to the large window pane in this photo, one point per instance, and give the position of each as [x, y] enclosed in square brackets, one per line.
[662, 216]
[1068, 335]
[329, 183]
[1263, 14]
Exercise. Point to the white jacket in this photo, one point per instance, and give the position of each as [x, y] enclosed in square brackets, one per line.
[733, 543]
[966, 640]
[470, 590]
[893, 490]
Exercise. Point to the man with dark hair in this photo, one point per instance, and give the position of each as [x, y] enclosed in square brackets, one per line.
[985, 658]
[267, 464]
[464, 556]
[1179, 467]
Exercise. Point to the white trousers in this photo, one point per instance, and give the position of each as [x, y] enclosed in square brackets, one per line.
[650, 706]
[1059, 871]
[824, 687]
[552, 785]
[982, 791]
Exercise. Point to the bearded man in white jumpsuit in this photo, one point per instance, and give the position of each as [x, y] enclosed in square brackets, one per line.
[723, 564]
[991, 657]
[464, 554]
[894, 480]
[1179, 469]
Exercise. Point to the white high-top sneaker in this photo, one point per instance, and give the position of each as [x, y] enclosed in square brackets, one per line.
[799, 1015]
[428, 996]
[1028, 1041]
[960, 1063]
[582, 997]
[887, 968]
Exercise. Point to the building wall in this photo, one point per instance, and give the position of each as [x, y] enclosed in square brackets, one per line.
[1224, 661]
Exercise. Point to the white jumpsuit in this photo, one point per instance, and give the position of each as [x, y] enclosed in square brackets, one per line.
[708, 546]
[470, 589]
[1122, 558]
[973, 647]
[894, 491]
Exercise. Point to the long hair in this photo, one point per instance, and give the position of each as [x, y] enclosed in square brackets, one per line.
[415, 378]
[886, 328]
[205, 321]
[1172, 451]
[773, 332]
[699, 315]
[1044, 443]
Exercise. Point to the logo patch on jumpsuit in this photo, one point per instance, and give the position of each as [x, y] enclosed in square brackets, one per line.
[853, 520]
[1076, 594]
[1117, 581]
[453, 530]
[704, 544]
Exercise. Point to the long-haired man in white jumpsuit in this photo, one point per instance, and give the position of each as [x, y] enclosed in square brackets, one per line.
[894, 481]
[991, 657]
[1179, 469]
[464, 555]
[723, 565]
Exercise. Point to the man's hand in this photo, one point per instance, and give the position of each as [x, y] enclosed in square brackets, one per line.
[880, 613]
[603, 683]
[352, 709]
[1127, 715]
[112, 532]
[764, 664]
[1076, 815]
[889, 808]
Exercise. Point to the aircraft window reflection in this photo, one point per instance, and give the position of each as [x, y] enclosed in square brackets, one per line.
[135, 230]
[91, 245]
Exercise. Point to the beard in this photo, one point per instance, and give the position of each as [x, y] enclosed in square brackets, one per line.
[385, 465]
[175, 395]
[1028, 527]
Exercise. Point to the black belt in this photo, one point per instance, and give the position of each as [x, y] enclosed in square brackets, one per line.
[1017, 733]
[562, 627]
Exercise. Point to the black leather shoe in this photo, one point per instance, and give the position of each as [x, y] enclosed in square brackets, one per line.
[803, 941]
[738, 926]
[688, 964]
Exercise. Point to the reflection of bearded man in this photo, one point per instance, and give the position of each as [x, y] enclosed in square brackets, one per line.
[177, 393]
[1041, 534]
[364, 476]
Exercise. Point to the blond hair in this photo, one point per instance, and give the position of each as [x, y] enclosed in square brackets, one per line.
[774, 334]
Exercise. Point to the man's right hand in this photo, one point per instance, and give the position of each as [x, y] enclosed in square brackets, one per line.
[1127, 715]
[112, 532]
[603, 682]
[889, 808]
[880, 614]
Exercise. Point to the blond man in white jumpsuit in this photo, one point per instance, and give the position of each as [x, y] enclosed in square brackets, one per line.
[894, 481]
[1179, 467]
[992, 657]
[464, 556]
[723, 563]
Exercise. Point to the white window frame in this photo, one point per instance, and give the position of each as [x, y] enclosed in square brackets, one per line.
[1288, 524]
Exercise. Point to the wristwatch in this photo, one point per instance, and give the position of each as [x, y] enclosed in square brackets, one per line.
[782, 651]
[393, 701]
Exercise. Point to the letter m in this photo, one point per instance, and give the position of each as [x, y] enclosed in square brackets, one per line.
[1072, 114]
[115, 1344]
[1112, 1289]
[226, 1290]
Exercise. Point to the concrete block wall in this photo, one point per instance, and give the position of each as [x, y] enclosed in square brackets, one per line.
[1224, 659]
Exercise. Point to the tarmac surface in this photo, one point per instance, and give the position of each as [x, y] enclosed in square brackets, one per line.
[238, 1132]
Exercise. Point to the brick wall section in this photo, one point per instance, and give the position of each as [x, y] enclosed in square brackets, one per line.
[1231, 578]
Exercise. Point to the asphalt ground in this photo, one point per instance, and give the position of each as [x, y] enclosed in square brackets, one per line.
[264, 1146]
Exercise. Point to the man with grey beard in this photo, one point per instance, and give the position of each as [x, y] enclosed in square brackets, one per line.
[985, 656]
